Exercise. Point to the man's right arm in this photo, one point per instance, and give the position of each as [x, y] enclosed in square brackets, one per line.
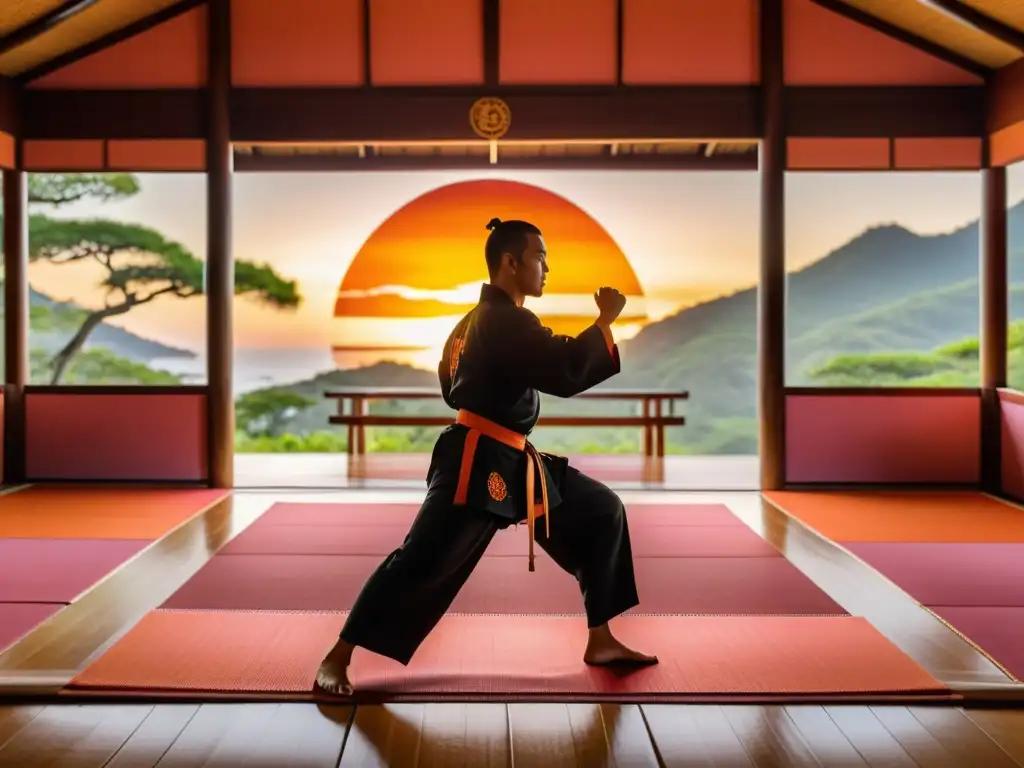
[557, 365]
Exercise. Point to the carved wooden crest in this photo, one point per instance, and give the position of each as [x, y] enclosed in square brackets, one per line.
[490, 118]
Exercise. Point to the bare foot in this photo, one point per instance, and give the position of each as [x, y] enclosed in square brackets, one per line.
[603, 649]
[332, 676]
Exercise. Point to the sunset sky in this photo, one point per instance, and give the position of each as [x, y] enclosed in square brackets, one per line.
[685, 236]
[424, 262]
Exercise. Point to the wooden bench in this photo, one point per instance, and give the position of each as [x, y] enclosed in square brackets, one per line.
[656, 413]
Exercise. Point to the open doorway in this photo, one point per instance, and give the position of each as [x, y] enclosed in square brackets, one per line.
[386, 264]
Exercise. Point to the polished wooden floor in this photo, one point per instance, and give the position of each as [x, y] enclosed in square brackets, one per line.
[47, 733]
[498, 735]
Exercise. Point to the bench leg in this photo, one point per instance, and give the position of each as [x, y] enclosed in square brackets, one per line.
[659, 448]
[647, 437]
[359, 409]
[350, 442]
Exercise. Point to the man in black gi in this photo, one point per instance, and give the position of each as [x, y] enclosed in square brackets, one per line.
[484, 475]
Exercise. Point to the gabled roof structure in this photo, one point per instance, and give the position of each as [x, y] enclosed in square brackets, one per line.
[596, 83]
[776, 85]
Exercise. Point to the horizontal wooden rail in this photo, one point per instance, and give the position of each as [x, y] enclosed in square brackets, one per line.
[424, 393]
[884, 391]
[652, 420]
[116, 389]
[381, 420]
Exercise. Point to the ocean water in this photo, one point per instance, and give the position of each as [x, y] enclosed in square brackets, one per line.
[258, 368]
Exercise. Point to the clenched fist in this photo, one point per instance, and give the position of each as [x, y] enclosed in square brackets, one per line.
[609, 304]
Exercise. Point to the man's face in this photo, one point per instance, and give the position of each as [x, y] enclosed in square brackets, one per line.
[532, 269]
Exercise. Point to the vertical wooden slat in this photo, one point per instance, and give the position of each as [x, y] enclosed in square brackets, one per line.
[771, 304]
[367, 43]
[220, 267]
[994, 318]
[15, 192]
[492, 42]
[620, 15]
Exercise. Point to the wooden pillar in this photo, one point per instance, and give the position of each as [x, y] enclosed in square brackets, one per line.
[220, 267]
[771, 295]
[16, 309]
[994, 296]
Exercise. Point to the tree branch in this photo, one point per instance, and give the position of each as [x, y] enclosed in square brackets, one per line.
[60, 361]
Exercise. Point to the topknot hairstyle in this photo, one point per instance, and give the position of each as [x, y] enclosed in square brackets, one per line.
[506, 237]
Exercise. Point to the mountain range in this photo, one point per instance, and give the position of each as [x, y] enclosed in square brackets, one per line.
[886, 290]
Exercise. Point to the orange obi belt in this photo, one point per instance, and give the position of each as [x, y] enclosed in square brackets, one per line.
[477, 426]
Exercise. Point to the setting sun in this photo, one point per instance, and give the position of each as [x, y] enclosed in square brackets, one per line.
[421, 270]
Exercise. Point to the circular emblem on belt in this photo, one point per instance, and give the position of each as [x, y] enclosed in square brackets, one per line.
[490, 118]
[496, 487]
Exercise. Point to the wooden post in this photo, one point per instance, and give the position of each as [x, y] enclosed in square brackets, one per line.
[771, 296]
[994, 296]
[15, 192]
[220, 267]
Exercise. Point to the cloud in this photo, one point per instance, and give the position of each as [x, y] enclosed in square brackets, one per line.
[397, 301]
[461, 294]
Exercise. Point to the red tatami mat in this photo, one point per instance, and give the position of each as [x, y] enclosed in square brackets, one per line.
[380, 540]
[511, 657]
[18, 619]
[58, 570]
[320, 513]
[721, 585]
[950, 574]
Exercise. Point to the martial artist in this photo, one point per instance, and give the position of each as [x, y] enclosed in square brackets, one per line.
[485, 475]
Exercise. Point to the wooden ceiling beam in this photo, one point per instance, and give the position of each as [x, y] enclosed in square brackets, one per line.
[907, 37]
[109, 40]
[250, 162]
[982, 22]
[607, 114]
[43, 24]
[538, 113]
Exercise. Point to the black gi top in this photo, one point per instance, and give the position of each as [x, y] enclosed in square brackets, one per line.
[495, 363]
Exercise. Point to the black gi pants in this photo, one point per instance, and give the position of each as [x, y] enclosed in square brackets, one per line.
[405, 598]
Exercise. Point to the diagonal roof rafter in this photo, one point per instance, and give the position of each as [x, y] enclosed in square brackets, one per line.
[906, 36]
[972, 17]
[108, 40]
[43, 24]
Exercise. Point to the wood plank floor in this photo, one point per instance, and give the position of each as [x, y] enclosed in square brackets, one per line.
[496, 734]
[499, 735]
